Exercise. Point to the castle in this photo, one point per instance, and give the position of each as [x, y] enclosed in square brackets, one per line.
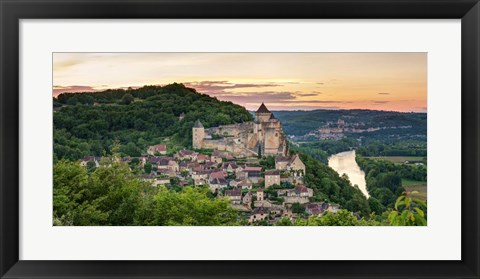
[264, 135]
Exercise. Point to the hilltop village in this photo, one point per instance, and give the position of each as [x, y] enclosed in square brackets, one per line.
[247, 163]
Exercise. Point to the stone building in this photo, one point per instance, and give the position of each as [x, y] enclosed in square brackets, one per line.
[272, 177]
[264, 135]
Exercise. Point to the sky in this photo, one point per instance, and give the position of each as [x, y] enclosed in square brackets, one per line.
[283, 81]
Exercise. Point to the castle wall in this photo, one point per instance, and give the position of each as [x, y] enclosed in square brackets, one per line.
[272, 141]
[231, 130]
[243, 138]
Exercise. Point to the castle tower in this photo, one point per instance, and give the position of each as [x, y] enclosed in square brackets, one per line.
[262, 114]
[198, 134]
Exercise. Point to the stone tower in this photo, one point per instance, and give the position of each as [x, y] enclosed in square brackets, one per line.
[262, 114]
[198, 134]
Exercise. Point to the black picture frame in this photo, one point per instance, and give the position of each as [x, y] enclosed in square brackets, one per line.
[11, 11]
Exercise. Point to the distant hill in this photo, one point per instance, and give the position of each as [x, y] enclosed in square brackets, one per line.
[88, 123]
[299, 123]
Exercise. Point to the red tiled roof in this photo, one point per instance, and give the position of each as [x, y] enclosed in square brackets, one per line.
[272, 172]
[160, 147]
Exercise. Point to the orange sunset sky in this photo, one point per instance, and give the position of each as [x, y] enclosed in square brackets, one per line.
[284, 81]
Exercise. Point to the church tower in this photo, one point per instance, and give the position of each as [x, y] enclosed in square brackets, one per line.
[262, 114]
[198, 134]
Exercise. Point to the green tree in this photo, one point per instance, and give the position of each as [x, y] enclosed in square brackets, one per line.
[408, 211]
[298, 208]
[147, 167]
[127, 99]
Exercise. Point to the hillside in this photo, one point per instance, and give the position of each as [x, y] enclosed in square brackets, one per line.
[87, 124]
[299, 123]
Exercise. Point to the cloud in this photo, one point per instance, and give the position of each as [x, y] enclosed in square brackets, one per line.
[383, 93]
[380, 102]
[307, 94]
[321, 83]
[222, 86]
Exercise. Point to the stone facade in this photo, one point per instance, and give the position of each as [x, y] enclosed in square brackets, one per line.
[264, 135]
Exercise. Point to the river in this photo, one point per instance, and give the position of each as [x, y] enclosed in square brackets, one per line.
[344, 162]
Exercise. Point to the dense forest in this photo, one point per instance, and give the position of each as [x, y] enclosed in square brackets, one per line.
[384, 181]
[88, 123]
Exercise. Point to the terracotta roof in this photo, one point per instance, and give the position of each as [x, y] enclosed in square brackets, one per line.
[247, 169]
[159, 147]
[282, 159]
[272, 172]
[301, 189]
[202, 157]
[234, 192]
[219, 181]
[262, 109]
[217, 174]
[154, 160]
[89, 158]
[183, 153]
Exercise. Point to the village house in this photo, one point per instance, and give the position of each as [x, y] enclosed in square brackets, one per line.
[234, 182]
[247, 199]
[300, 194]
[157, 149]
[168, 163]
[217, 156]
[272, 177]
[186, 155]
[234, 195]
[296, 166]
[253, 174]
[316, 208]
[200, 177]
[281, 162]
[230, 167]
[260, 194]
[245, 184]
[202, 158]
[258, 214]
[277, 209]
[301, 191]
[87, 159]
[217, 183]
[210, 165]
[293, 164]
[217, 174]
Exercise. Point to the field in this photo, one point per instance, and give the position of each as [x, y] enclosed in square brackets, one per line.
[398, 159]
[419, 186]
